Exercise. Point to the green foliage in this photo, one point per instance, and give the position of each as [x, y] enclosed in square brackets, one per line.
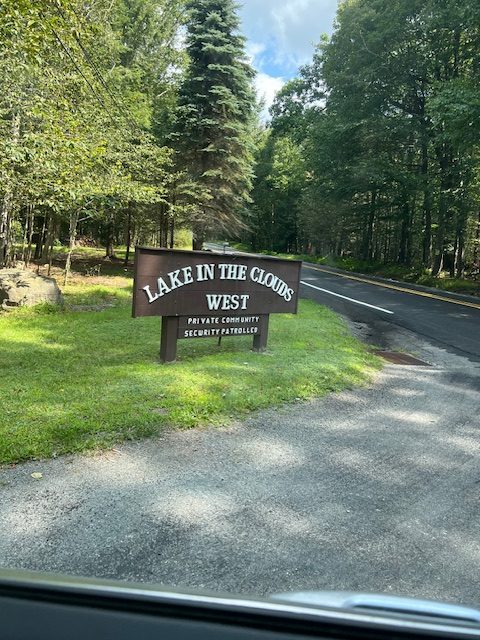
[280, 180]
[80, 134]
[388, 122]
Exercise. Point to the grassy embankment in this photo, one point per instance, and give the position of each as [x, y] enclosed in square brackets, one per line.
[88, 376]
[413, 275]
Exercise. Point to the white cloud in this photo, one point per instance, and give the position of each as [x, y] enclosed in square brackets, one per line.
[286, 30]
[254, 49]
[267, 87]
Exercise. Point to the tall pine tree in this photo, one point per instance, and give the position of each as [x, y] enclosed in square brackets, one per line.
[216, 113]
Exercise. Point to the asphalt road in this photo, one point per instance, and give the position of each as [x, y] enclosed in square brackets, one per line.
[452, 322]
[374, 489]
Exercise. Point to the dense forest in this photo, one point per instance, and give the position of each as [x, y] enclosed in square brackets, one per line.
[121, 122]
[132, 121]
[373, 150]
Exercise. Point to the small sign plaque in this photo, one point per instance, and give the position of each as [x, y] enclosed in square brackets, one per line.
[207, 295]
[218, 326]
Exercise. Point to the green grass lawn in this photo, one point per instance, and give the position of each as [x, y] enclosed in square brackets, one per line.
[75, 380]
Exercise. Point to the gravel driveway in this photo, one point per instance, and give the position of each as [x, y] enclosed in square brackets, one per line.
[374, 489]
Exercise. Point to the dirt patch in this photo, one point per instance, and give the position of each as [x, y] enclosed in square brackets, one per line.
[88, 271]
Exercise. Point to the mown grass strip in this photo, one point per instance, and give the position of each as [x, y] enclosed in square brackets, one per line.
[72, 381]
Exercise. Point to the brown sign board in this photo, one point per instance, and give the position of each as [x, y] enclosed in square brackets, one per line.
[206, 294]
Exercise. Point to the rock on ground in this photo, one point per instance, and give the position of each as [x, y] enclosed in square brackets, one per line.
[20, 288]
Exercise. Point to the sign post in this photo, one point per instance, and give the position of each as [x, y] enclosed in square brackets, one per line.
[260, 339]
[168, 341]
[206, 295]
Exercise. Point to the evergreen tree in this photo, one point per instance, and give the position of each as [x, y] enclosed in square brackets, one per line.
[215, 118]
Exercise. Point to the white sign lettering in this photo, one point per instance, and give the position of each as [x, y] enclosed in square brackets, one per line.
[206, 272]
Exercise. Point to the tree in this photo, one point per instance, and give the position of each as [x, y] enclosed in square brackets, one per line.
[216, 112]
[280, 179]
[80, 142]
[387, 115]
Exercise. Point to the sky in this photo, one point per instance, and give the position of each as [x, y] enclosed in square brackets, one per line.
[281, 37]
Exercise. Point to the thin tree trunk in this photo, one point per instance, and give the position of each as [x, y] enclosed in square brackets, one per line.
[369, 230]
[50, 249]
[109, 249]
[31, 223]
[172, 232]
[476, 242]
[440, 238]
[129, 234]
[41, 239]
[4, 231]
[439, 242]
[161, 225]
[25, 234]
[405, 235]
[71, 244]
[454, 261]
[165, 225]
[49, 239]
[11, 255]
[272, 227]
[459, 256]
[427, 209]
[7, 204]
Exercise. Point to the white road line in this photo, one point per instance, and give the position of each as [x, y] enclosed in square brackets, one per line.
[337, 295]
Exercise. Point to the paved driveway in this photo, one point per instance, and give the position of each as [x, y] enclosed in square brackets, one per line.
[375, 489]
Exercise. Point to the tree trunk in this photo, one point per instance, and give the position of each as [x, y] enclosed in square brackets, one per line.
[129, 234]
[41, 239]
[31, 223]
[172, 232]
[476, 242]
[71, 244]
[7, 204]
[427, 209]
[109, 248]
[49, 239]
[50, 247]
[459, 256]
[440, 239]
[454, 261]
[173, 205]
[4, 230]
[25, 234]
[369, 230]
[404, 254]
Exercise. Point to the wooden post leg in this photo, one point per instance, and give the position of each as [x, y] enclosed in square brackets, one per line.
[168, 343]
[260, 340]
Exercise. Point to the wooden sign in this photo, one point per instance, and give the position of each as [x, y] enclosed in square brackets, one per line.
[207, 295]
